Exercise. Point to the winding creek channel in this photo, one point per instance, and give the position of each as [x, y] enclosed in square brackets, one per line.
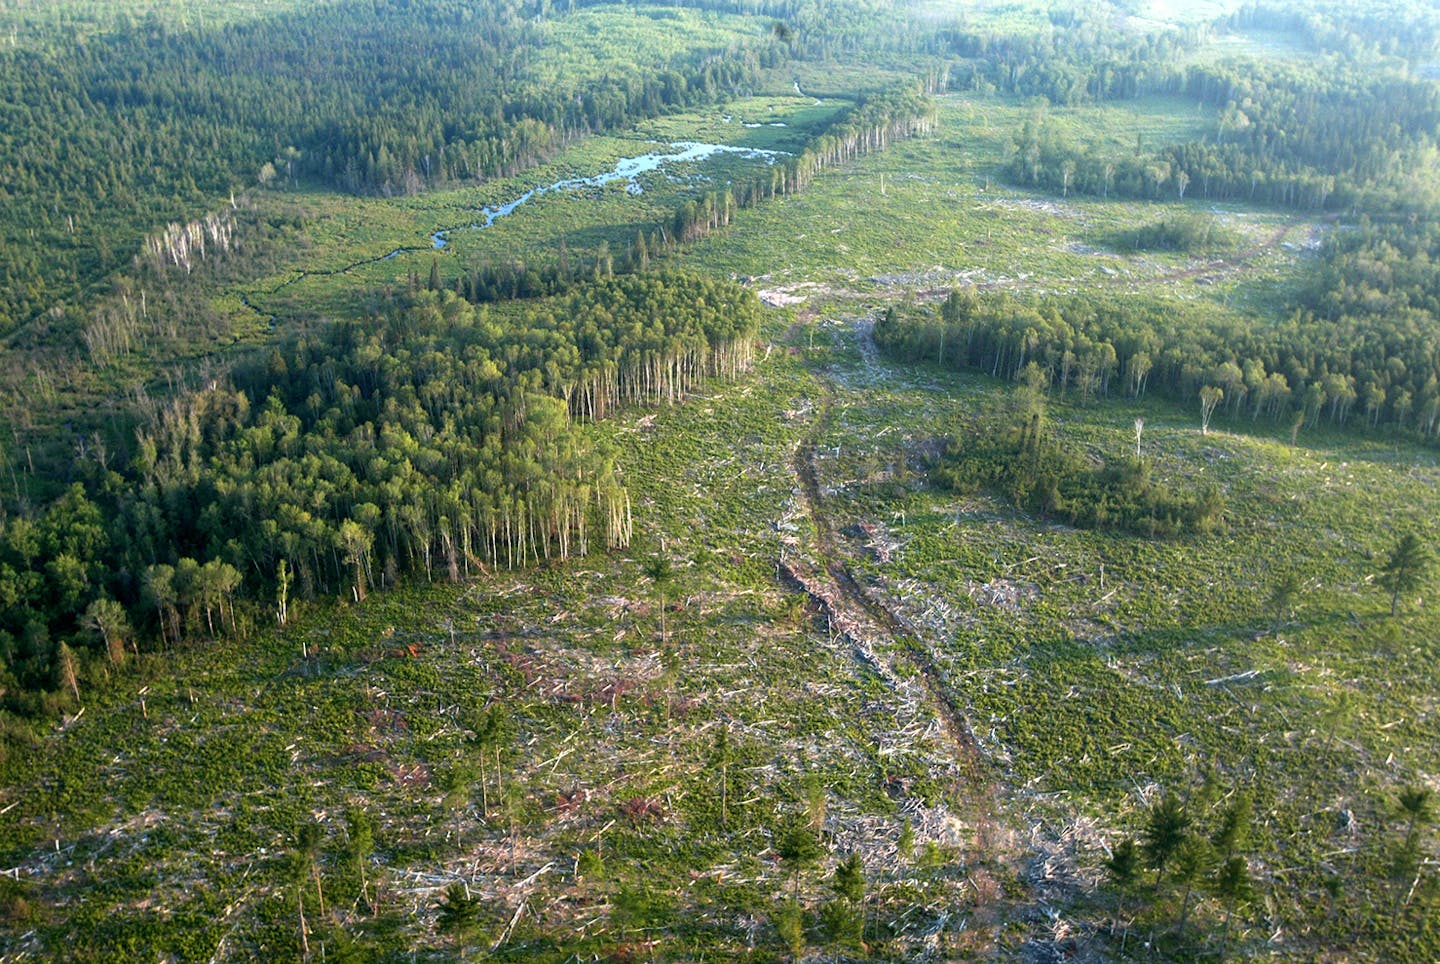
[628, 169]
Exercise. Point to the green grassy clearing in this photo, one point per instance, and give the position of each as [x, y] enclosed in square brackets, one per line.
[1261, 45]
[771, 123]
[1001, 16]
[946, 216]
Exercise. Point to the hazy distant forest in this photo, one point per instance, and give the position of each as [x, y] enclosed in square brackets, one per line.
[812, 479]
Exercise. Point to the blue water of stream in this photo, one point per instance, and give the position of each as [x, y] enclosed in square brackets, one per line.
[627, 169]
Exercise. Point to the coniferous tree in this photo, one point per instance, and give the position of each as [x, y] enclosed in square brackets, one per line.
[1123, 867]
[797, 846]
[1283, 593]
[1166, 829]
[1416, 805]
[459, 913]
[1235, 889]
[1405, 568]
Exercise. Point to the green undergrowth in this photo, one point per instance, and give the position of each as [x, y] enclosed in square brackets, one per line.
[610, 756]
[495, 733]
[937, 211]
[669, 33]
[1103, 668]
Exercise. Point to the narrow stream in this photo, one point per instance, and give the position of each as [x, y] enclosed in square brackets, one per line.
[302, 275]
[627, 169]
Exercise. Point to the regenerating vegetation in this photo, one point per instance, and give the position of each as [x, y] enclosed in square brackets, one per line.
[840, 480]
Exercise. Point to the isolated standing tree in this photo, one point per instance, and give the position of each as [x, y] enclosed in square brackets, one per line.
[456, 783]
[459, 912]
[1210, 396]
[1282, 597]
[849, 879]
[297, 871]
[843, 919]
[1234, 828]
[905, 843]
[109, 619]
[307, 847]
[1123, 866]
[789, 923]
[797, 847]
[301, 865]
[491, 727]
[1405, 568]
[1192, 859]
[282, 593]
[65, 664]
[1416, 805]
[661, 574]
[1235, 890]
[360, 829]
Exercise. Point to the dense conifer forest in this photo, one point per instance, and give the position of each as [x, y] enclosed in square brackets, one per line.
[149, 121]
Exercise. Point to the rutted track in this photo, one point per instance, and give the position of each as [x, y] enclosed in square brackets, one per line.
[850, 601]
[981, 792]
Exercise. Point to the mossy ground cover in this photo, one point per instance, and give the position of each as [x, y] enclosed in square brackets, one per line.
[668, 32]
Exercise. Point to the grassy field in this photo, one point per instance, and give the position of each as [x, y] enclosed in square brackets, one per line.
[1260, 45]
[944, 213]
[936, 211]
[668, 32]
[927, 212]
